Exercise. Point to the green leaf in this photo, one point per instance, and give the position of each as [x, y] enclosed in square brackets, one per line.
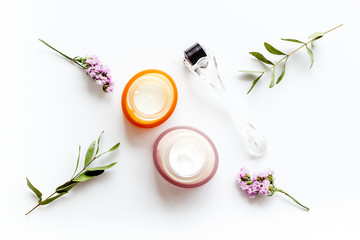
[111, 149]
[292, 40]
[34, 189]
[66, 187]
[88, 175]
[98, 143]
[282, 72]
[273, 50]
[316, 35]
[49, 200]
[272, 84]
[247, 71]
[254, 83]
[77, 162]
[311, 55]
[102, 168]
[261, 57]
[89, 154]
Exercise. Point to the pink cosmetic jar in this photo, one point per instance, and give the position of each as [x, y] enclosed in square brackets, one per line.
[185, 156]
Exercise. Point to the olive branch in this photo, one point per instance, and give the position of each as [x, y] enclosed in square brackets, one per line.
[313, 37]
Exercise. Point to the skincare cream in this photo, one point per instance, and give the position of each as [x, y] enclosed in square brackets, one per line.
[185, 157]
[149, 98]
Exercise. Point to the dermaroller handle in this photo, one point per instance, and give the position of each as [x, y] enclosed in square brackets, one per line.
[256, 143]
[203, 64]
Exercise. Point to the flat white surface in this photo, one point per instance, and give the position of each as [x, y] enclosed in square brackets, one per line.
[48, 106]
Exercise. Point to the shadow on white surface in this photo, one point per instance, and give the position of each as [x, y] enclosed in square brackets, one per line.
[171, 194]
[94, 88]
[247, 77]
[138, 136]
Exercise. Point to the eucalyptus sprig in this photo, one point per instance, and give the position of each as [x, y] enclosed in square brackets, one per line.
[313, 37]
[83, 175]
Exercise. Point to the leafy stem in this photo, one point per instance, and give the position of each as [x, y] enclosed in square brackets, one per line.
[285, 57]
[83, 175]
[40, 203]
[282, 191]
[305, 44]
[74, 60]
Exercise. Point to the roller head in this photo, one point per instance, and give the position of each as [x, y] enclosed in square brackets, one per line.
[194, 53]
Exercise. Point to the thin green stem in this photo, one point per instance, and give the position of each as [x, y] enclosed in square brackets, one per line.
[282, 191]
[62, 54]
[39, 203]
[333, 28]
[288, 55]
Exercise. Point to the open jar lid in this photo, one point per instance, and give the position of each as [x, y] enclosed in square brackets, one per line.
[185, 156]
[149, 98]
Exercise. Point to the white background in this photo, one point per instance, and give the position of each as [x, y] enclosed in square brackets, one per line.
[48, 106]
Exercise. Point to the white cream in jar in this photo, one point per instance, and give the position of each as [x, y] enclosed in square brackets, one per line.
[149, 98]
[185, 156]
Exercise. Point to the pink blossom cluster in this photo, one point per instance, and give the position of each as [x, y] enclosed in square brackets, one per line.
[100, 73]
[260, 184]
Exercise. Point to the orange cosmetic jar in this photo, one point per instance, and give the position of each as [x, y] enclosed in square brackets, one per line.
[149, 98]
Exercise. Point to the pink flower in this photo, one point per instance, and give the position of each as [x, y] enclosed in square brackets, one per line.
[238, 179]
[265, 173]
[256, 185]
[243, 172]
[260, 184]
[243, 185]
[264, 188]
[99, 73]
[251, 191]
[109, 87]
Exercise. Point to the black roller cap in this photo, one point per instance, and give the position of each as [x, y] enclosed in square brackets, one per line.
[194, 53]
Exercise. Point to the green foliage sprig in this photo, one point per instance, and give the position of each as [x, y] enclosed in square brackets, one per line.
[313, 37]
[83, 175]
